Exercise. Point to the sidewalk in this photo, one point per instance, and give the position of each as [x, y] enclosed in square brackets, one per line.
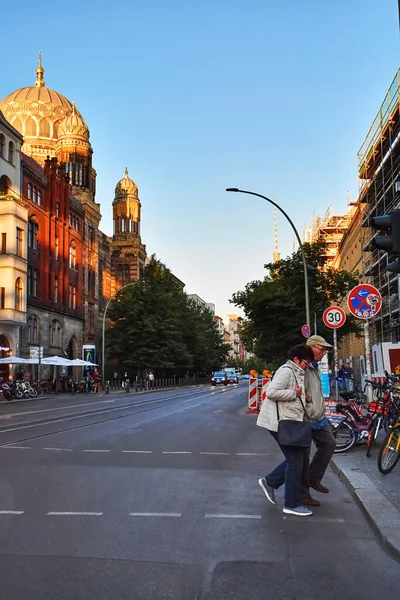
[377, 495]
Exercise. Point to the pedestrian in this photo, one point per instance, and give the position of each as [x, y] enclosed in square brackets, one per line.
[322, 432]
[286, 401]
[348, 377]
[340, 379]
[97, 380]
[151, 379]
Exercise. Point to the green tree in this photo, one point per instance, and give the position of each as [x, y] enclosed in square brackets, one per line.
[275, 308]
[155, 326]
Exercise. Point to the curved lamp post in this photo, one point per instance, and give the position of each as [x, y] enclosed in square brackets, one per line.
[104, 330]
[307, 299]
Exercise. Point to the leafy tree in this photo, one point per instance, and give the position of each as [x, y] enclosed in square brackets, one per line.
[275, 308]
[155, 326]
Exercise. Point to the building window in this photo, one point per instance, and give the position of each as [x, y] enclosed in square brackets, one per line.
[72, 256]
[18, 294]
[39, 197]
[11, 153]
[70, 295]
[55, 334]
[2, 297]
[2, 144]
[33, 229]
[3, 243]
[32, 281]
[57, 210]
[29, 191]
[19, 242]
[74, 296]
[55, 291]
[56, 247]
[34, 197]
[33, 328]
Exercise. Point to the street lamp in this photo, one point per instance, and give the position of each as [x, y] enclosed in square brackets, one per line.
[104, 329]
[307, 299]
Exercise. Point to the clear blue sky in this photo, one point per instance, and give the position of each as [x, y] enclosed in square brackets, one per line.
[194, 97]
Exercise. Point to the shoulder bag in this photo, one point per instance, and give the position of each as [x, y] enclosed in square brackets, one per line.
[294, 433]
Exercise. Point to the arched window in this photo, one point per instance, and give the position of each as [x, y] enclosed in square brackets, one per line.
[34, 197]
[33, 327]
[29, 191]
[11, 149]
[18, 294]
[72, 256]
[2, 145]
[56, 247]
[31, 128]
[55, 334]
[44, 128]
[33, 229]
[39, 197]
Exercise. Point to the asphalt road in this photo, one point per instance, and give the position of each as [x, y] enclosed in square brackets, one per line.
[155, 496]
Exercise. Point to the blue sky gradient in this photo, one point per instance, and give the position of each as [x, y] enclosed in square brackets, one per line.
[194, 97]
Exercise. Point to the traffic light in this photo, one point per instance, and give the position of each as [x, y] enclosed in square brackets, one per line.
[389, 241]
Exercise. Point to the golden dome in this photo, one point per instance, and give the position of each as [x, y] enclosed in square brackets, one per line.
[126, 186]
[37, 112]
[74, 125]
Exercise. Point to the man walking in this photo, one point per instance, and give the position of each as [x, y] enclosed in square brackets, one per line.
[321, 429]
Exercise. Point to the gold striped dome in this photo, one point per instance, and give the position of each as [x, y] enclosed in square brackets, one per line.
[74, 125]
[126, 186]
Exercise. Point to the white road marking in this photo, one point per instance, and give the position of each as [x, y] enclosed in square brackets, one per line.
[12, 512]
[137, 451]
[149, 514]
[223, 516]
[251, 454]
[96, 450]
[75, 514]
[315, 519]
[217, 453]
[58, 449]
[34, 412]
[180, 452]
[17, 447]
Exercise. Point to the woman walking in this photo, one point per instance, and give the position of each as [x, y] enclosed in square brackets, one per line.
[286, 402]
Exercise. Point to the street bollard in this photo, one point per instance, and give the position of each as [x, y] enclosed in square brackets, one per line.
[127, 385]
[107, 388]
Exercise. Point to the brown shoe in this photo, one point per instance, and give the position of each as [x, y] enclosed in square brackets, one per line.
[319, 487]
[310, 501]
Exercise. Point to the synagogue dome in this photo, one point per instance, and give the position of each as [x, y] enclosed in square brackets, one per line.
[126, 186]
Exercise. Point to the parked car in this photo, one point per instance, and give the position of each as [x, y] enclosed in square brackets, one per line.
[233, 378]
[219, 377]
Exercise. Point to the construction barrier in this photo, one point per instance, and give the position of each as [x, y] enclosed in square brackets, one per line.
[263, 394]
[253, 396]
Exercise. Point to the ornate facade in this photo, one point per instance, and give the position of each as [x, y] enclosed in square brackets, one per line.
[73, 268]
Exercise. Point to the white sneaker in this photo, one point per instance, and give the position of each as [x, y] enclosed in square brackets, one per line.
[267, 489]
[299, 511]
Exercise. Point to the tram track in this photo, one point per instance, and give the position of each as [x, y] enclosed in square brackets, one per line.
[143, 408]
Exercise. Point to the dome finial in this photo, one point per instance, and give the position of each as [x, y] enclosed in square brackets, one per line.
[73, 108]
[40, 73]
[126, 171]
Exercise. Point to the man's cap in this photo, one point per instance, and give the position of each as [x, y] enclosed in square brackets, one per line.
[318, 340]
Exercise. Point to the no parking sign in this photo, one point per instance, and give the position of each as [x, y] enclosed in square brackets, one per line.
[364, 301]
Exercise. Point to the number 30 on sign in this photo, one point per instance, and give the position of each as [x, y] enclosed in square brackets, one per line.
[334, 317]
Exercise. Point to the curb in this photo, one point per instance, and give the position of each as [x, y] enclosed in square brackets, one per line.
[380, 513]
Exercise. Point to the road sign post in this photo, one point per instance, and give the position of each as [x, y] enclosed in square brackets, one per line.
[364, 302]
[334, 317]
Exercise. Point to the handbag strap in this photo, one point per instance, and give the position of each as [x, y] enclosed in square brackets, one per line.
[299, 397]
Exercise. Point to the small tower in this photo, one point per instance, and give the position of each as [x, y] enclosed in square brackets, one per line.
[129, 254]
[276, 256]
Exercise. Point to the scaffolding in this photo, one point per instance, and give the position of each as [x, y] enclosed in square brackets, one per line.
[379, 189]
[330, 229]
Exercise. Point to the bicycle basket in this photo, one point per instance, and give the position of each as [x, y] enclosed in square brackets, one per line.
[378, 408]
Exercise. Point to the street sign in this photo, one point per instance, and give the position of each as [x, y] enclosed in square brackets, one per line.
[34, 351]
[306, 331]
[364, 301]
[334, 317]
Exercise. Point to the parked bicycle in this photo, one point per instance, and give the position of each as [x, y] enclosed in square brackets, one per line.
[389, 453]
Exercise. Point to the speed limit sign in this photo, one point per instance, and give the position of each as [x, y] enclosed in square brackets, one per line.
[334, 317]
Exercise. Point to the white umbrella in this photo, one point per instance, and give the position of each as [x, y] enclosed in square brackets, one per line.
[58, 361]
[79, 362]
[13, 360]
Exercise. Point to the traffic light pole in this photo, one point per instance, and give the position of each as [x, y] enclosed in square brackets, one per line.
[306, 292]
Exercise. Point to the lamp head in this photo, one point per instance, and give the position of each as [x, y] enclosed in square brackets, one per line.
[232, 189]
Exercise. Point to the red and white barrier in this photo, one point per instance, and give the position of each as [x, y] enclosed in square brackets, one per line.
[265, 383]
[253, 396]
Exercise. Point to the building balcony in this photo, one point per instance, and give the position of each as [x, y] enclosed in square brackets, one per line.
[10, 316]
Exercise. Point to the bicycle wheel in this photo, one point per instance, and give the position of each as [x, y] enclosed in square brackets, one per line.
[345, 437]
[389, 453]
